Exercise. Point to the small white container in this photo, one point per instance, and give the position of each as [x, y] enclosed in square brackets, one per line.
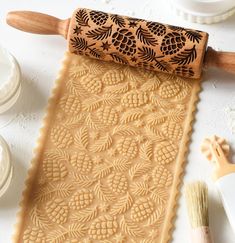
[10, 80]
[6, 168]
[204, 11]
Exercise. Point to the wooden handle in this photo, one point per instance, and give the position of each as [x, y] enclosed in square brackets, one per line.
[38, 23]
[219, 59]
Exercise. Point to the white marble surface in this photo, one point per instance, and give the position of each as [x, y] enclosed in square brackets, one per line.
[39, 59]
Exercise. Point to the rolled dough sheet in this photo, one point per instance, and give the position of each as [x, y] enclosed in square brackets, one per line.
[110, 157]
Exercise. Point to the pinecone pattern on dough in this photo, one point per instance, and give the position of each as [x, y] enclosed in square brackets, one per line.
[142, 209]
[70, 104]
[82, 162]
[61, 137]
[34, 235]
[81, 199]
[172, 130]
[92, 84]
[57, 210]
[169, 89]
[115, 157]
[165, 152]
[118, 183]
[103, 227]
[107, 115]
[134, 99]
[99, 17]
[172, 43]
[113, 77]
[53, 169]
[127, 147]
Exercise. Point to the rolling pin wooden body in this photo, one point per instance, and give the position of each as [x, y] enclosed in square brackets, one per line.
[127, 40]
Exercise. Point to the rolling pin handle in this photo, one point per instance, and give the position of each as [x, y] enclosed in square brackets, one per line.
[221, 60]
[38, 23]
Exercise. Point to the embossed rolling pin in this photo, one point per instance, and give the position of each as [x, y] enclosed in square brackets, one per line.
[129, 41]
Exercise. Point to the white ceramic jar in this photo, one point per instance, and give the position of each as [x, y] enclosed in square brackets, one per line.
[6, 169]
[204, 11]
[10, 80]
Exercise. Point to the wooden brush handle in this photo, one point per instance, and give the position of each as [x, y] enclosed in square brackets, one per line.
[221, 60]
[38, 23]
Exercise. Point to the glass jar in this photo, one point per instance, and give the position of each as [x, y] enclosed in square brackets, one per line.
[10, 77]
[6, 168]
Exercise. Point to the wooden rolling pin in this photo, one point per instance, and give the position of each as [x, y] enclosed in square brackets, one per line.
[129, 41]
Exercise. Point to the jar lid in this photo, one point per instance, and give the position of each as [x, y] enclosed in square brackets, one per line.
[9, 80]
[5, 166]
[204, 11]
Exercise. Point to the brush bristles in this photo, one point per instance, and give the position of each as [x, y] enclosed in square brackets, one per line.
[196, 194]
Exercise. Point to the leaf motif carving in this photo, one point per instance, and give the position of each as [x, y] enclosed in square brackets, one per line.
[76, 230]
[118, 58]
[124, 130]
[102, 144]
[102, 171]
[194, 36]
[118, 89]
[57, 236]
[100, 33]
[83, 180]
[139, 169]
[121, 165]
[185, 57]
[85, 215]
[132, 115]
[61, 190]
[147, 54]
[159, 196]
[82, 17]
[156, 119]
[110, 99]
[140, 188]
[122, 205]
[103, 193]
[74, 122]
[146, 37]
[118, 20]
[91, 104]
[93, 122]
[96, 53]
[131, 228]
[79, 43]
[39, 219]
[81, 138]
[156, 217]
[146, 151]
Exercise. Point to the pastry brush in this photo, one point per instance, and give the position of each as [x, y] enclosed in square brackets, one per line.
[130, 41]
[196, 195]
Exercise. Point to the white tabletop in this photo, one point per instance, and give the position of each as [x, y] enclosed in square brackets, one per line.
[39, 58]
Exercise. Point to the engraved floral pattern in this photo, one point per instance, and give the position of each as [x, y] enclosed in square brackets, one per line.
[107, 168]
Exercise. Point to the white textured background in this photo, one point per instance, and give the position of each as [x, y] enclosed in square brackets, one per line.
[40, 58]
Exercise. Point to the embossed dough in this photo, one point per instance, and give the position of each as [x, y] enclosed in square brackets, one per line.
[110, 156]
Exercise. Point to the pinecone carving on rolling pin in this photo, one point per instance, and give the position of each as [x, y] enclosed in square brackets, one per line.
[172, 43]
[156, 28]
[124, 41]
[99, 17]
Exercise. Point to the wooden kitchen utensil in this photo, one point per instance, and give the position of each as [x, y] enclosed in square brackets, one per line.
[129, 41]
